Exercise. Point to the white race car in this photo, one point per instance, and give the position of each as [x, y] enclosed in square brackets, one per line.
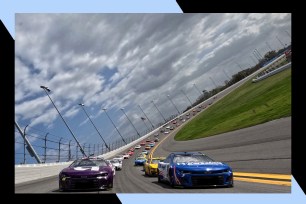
[109, 163]
[137, 147]
[119, 157]
[117, 163]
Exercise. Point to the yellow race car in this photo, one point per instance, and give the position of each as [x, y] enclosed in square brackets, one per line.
[150, 166]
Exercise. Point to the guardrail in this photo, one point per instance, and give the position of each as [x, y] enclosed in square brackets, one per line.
[30, 172]
[275, 71]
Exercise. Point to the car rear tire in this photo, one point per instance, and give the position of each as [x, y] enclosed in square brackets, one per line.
[111, 184]
[171, 179]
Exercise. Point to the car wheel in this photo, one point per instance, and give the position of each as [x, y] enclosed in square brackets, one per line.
[171, 179]
[111, 184]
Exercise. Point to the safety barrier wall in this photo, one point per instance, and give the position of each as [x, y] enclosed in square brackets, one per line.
[30, 172]
[275, 71]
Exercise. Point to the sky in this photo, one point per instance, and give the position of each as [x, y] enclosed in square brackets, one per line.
[119, 61]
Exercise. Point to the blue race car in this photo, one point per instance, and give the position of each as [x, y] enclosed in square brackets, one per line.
[139, 161]
[194, 169]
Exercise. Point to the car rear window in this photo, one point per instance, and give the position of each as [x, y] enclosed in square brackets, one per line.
[191, 158]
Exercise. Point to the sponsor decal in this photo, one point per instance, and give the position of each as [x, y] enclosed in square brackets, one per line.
[95, 168]
[79, 168]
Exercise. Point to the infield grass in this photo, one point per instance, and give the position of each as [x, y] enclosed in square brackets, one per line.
[248, 105]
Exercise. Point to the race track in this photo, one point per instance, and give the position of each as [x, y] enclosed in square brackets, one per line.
[264, 148]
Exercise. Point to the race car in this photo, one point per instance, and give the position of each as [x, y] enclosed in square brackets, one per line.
[194, 169]
[145, 152]
[137, 147]
[87, 173]
[117, 164]
[150, 167]
[140, 161]
[109, 163]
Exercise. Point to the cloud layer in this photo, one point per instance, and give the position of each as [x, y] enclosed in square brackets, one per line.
[122, 60]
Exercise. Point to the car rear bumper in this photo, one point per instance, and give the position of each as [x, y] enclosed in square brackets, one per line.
[81, 184]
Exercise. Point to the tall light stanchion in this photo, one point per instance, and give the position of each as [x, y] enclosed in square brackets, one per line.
[24, 145]
[187, 97]
[146, 116]
[173, 104]
[256, 56]
[213, 82]
[261, 57]
[280, 42]
[159, 111]
[46, 89]
[253, 60]
[196, 87]
[114, 125]
[82, 105]
[130, 121]
[143, 120]
[29, 146]
[226, 74]
[288, 33]
[268, 45]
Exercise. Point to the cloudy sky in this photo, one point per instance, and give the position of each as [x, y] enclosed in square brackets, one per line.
[118, 61]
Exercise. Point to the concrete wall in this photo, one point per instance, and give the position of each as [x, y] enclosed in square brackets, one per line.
[282, 68]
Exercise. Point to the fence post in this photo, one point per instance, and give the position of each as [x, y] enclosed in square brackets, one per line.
[94, 149]
[77, 153]
[84, 147]
[98, 148]
[88, 149]
[45, 155]
[69, 151]
[24, 145]
[59, 150]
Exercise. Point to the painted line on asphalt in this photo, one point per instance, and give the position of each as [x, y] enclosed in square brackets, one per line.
[274, 179]
[284, 177]
[273, 182]
[152, 151]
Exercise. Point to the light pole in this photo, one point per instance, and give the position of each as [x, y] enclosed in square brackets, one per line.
[82, 105]
[226, 74]
[159, 111]
[280, 42]
[173, 104]
[24, 145]
[143, 120]
[253, 59]
[186, 97]
[195, 86]
[130, 121]
[268, 45]
[256, 55]
[29, 146]
[259, 54]
[146, 116]
[46, 89]
[114, 125]
[213, 82]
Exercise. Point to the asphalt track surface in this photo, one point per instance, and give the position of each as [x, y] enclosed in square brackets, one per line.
[264, 148]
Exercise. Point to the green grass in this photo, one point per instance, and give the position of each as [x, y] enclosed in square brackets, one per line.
[248, 105]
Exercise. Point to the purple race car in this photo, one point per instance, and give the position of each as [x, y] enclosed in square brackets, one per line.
[86, 173]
